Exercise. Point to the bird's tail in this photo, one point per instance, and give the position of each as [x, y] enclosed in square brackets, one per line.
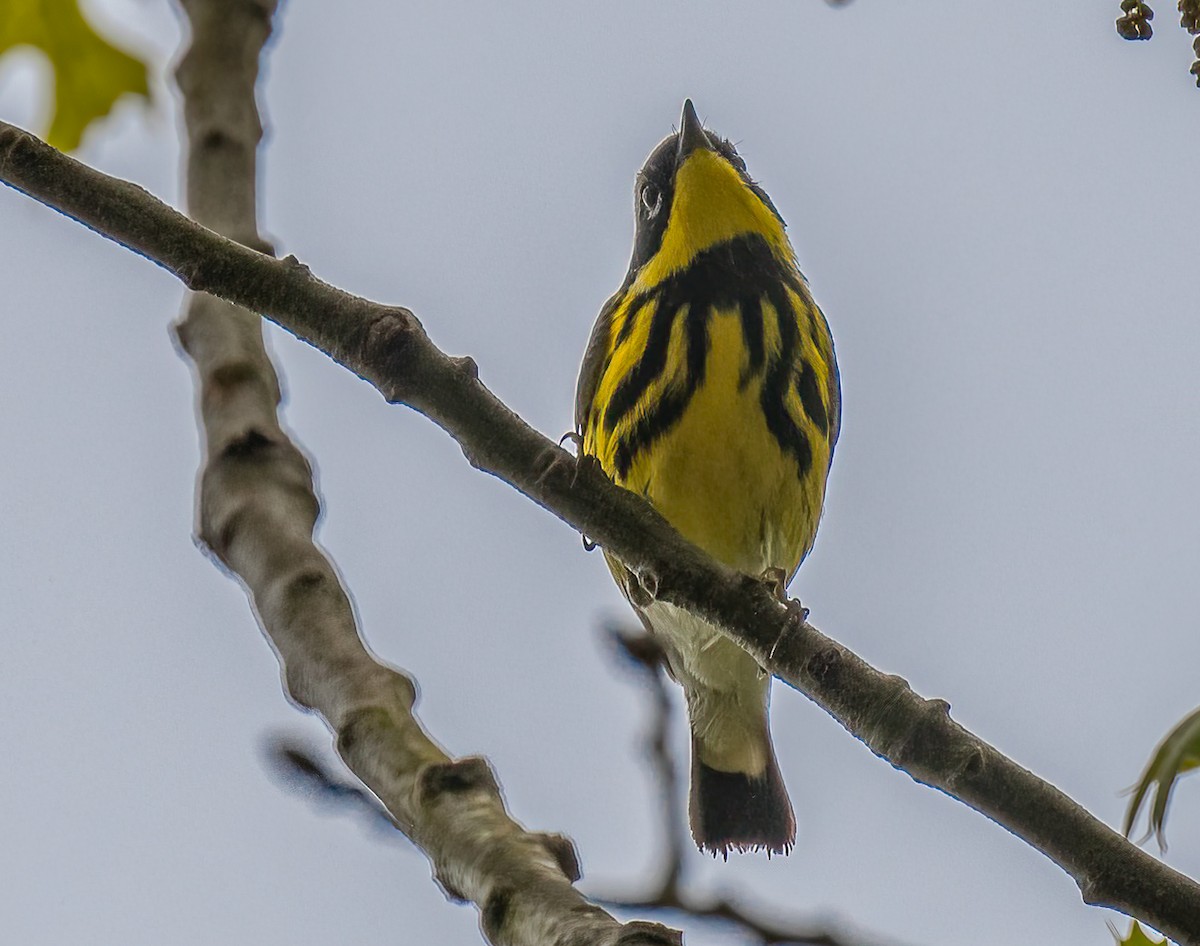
[733, 810]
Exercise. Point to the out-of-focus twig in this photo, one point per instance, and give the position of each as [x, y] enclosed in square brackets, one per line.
[301, 770]
[646, 658]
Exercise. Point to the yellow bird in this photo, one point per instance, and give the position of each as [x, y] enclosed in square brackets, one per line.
[709, 386]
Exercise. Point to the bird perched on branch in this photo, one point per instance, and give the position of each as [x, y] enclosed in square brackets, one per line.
[709, 386]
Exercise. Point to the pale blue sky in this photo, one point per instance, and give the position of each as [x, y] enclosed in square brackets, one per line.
[995, 206]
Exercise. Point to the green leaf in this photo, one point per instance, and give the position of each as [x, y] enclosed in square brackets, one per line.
[90, 73]
[1178, 753]
[1137, 937]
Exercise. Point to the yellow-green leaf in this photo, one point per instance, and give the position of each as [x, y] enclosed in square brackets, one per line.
[1137, 937]
[90, 74]
[1178, 753]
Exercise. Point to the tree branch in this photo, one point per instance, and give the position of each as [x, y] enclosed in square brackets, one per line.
[388, 347]
[257, 510]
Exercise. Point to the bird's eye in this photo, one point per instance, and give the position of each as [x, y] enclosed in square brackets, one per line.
[651, 199]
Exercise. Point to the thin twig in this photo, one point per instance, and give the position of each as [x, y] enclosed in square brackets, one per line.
[646, 657]
[301, 770]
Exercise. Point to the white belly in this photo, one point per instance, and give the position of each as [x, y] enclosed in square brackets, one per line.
[726, 690]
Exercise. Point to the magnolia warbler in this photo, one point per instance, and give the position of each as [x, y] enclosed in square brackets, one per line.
[709, 386]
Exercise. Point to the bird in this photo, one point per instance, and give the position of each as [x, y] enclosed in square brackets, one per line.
[709, 386]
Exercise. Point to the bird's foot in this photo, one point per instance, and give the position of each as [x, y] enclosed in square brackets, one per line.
[776, 580]
[583, 461]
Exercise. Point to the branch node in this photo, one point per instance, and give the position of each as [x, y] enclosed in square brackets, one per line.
[406, 689]
[388, 348]
[471, 456]
[291, 262]
[250, 444]
[213, 138]
[643, 933]
[1088, 890]
[456, 776]
[466, 366]
[452, 892]
[494, 912]
[14, 141]
[824, 667]
[358, 726]
[562, 849]
[973, 766]
[228, 374]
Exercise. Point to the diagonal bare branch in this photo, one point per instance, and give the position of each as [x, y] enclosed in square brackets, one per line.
[257, 510]
[388, 347]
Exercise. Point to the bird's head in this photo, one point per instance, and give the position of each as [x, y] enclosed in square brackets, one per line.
[693, 194]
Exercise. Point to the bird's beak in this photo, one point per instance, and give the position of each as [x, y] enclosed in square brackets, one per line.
[691, 134]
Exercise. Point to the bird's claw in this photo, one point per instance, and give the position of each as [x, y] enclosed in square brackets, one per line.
[776, 580]
[796, 611]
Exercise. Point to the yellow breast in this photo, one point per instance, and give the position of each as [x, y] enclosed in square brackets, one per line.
[704, 452]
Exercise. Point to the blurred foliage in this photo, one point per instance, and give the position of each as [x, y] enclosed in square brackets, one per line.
[1137, 937]
[1134, 23]
[90, 74]
[1178, 753]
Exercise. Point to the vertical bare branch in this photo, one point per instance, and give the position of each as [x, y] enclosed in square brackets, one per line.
[257, 510]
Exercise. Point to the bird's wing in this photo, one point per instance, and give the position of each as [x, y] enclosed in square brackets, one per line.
[593, 360]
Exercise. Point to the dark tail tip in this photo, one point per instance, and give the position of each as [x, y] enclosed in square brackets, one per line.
[733, 811]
